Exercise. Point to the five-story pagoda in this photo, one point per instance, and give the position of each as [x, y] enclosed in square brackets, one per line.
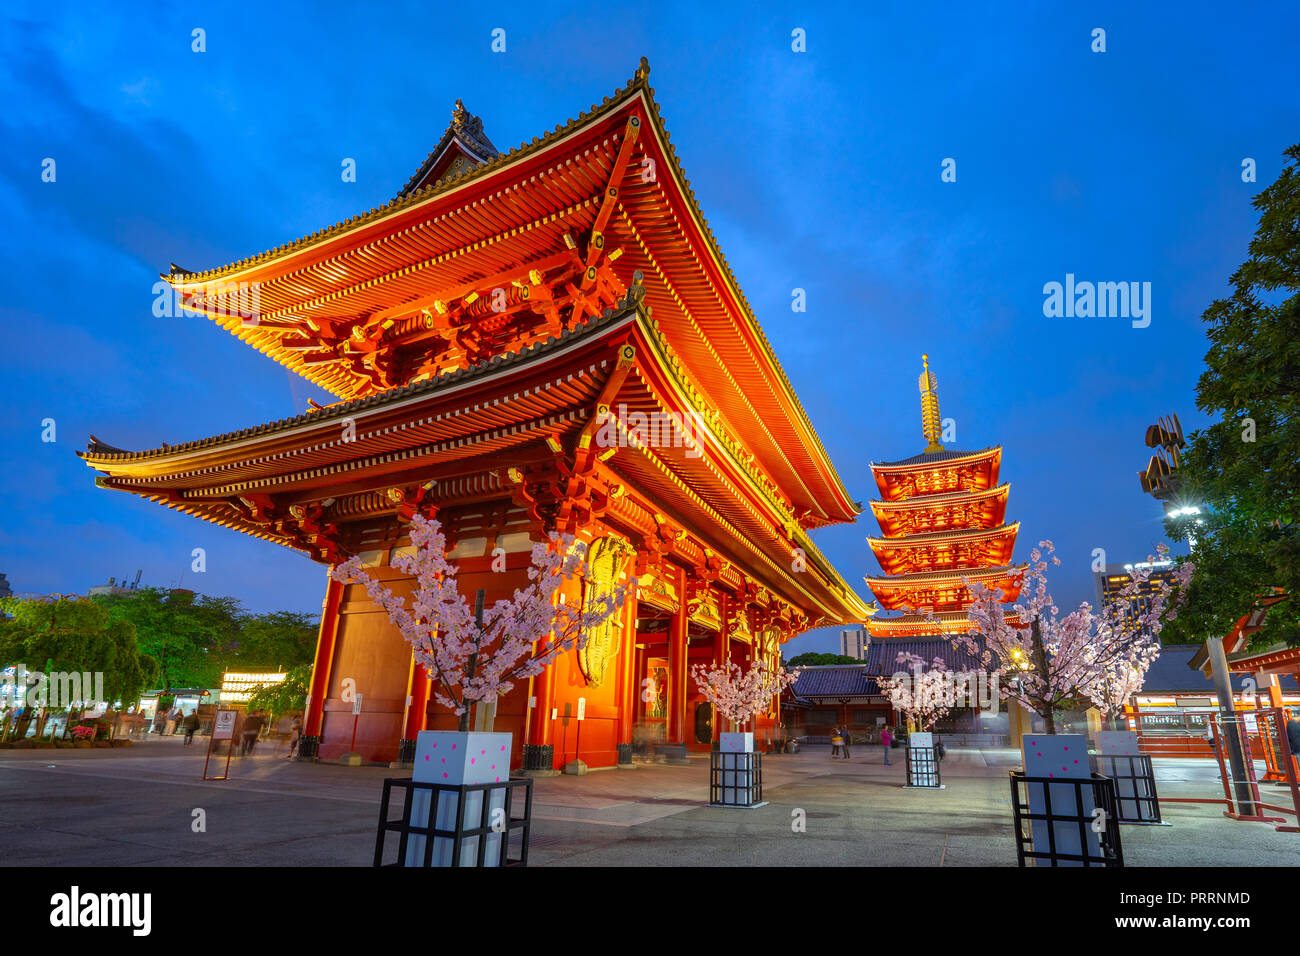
[942, 519]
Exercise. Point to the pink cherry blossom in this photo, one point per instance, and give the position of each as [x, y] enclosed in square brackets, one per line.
[1047, 661]
[739, 695]
[519, 638]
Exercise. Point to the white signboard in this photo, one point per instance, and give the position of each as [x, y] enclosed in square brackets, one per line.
[1115, 747]
[356, 704]
[582, 708]
[224, 727]
[1065, 757]
[1117, 742]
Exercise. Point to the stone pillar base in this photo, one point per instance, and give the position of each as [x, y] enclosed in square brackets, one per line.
[673, 753]
[539, 761]
[308, 747]
[625, 757]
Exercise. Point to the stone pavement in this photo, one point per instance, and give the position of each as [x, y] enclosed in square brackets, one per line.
[135, 806]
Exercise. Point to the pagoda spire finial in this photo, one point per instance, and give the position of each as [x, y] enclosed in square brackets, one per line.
[931, 424]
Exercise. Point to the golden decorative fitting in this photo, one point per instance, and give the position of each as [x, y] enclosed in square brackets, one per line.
[471, 298]
[553, 445]
[535, 276]
[515, 475]
[931, 424]
[440, 307]
[395, 495]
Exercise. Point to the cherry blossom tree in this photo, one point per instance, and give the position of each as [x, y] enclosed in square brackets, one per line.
[475, 656]
[739, 695]
[1047, 660]
[924, 695]
[1115, 687]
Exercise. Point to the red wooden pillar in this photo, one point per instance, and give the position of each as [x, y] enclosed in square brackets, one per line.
[678, 648]
[417, 711]
[313, 723]
[721, 652]
[627, 671]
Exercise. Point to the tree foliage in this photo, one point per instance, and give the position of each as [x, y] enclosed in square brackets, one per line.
[75, 635]
[290, 694]
[1246, 466]
[196, 638]
[814, 659]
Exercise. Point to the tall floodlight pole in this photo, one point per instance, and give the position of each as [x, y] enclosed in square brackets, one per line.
[1158, 480]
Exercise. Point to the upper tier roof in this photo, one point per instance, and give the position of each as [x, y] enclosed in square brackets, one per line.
[927, 457]
[527, 209]
[932, 457]
[461, 430]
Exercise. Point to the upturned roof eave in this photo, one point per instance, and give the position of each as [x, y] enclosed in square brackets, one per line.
[844, 509]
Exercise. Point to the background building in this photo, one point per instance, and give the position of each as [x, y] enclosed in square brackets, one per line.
[854, 643]
[1116, 577]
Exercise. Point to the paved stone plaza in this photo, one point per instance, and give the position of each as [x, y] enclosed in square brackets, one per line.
[134, 806]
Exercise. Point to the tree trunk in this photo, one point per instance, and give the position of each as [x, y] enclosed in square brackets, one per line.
[473, 658]
[1040, 664]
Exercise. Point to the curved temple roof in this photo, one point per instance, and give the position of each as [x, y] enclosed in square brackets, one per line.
[469, 223]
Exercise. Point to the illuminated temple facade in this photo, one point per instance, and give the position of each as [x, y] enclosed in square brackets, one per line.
[480, 331]
[942, 516]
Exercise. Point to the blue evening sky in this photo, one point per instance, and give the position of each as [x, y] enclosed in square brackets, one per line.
[817, 170]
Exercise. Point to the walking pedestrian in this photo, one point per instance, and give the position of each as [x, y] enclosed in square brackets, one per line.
[249, 733]
[848, 740]
[295, 732]
[887, 738]
[191, 724]
[836, 741]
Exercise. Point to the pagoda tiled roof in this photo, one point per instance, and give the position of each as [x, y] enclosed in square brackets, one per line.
[882, 654]
[925, 502]
[930, 457]
[951, 534]
[943, 576]
[834, 680]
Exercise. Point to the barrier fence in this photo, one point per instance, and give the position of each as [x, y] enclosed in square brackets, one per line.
[1266, 728]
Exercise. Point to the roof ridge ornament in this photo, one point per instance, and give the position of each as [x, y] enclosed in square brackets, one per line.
[931, 424]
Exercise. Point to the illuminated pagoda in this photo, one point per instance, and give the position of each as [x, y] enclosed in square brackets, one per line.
[482, 331]
[942, 516]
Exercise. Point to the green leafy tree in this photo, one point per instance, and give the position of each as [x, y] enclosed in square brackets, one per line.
[1246, 466]
[192, 637]
[74, 635]
[813, 659]
[196, 637]
[279, 639]
[290, 694]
